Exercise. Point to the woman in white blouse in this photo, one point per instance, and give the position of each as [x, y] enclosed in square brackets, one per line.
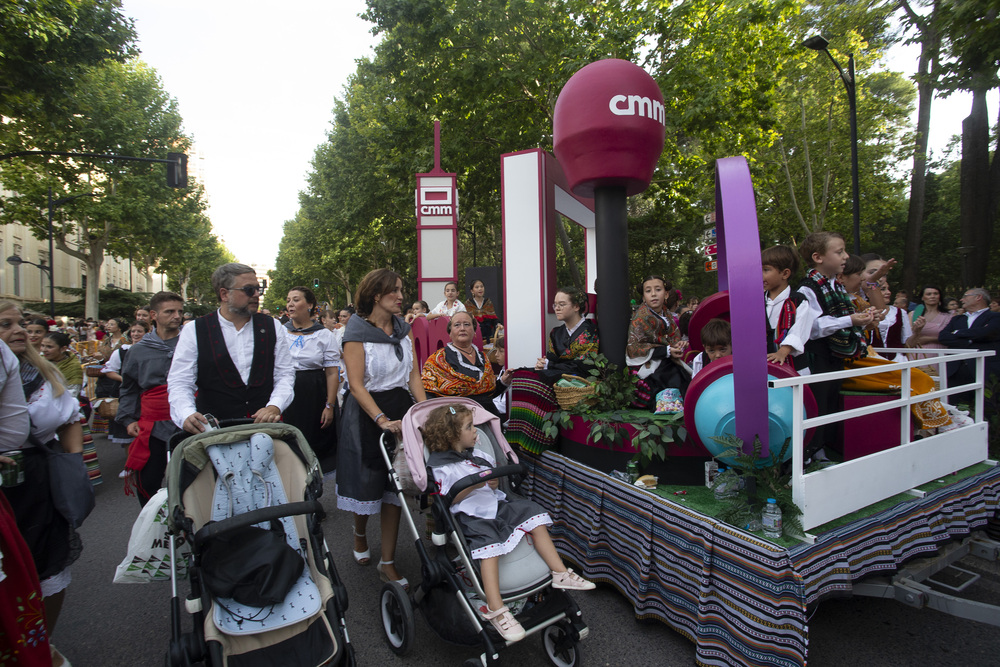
[450, 305]
[385, 379]
[54, 418]
[315, 352]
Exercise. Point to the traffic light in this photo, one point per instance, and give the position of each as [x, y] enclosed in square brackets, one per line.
[177, 170]
[315, 283]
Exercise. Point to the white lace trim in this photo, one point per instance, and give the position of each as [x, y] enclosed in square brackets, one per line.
[505, 547]
[471, 367]
[366, 507]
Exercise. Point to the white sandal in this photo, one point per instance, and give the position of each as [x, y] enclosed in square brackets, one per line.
[505, 624]
[362, 557]
[402, 581]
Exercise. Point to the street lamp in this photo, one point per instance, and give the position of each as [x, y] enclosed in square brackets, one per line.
[54, 204]
[818, 43]
[17, 260]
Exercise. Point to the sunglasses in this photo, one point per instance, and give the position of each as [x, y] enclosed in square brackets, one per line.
[249, 290]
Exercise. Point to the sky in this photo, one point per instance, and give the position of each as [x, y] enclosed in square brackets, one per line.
[256, 82]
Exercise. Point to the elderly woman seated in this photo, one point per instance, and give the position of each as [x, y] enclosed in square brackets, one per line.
[461, 369]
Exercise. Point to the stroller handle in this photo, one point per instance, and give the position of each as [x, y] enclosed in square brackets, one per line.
[263, 515]
[477, 478]
[180, 436]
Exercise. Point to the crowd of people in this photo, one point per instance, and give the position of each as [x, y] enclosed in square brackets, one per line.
[345, 377]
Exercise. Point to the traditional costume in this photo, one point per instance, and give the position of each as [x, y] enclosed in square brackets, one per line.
[485, 314]
[362, 478]
[72, 371]
[313, 349]
[567, 350]
[143, 399]
[492, 523]
[650, 335]
[447, 372]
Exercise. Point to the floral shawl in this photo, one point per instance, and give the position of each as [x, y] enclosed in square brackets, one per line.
[448, 373]
[647, 331]
[487, 312]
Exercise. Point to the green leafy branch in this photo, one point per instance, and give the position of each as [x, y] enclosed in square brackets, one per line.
[768, 480]
[608, 412]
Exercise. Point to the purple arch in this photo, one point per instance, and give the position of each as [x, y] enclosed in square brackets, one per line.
[740, 273]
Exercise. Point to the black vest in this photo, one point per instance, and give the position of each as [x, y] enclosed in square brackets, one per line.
[221, 391]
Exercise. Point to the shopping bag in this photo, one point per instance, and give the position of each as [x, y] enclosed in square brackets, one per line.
[148, 557]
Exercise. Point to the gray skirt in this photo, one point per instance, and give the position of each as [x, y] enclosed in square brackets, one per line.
[489, 538]
[362, 478]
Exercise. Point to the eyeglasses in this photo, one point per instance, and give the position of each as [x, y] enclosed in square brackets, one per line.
[249, 290]
[560, 304]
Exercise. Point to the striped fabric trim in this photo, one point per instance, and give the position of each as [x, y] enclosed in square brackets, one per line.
[742, 600]
[530, 401]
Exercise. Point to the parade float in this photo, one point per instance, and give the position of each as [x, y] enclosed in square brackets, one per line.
[741, 598]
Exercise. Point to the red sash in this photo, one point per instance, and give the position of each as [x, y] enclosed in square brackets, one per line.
[155, 408]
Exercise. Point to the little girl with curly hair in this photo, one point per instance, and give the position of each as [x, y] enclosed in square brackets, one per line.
[492, 522]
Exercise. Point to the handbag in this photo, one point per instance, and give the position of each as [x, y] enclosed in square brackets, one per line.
[254, 566]
[148, 557]
[72, 492]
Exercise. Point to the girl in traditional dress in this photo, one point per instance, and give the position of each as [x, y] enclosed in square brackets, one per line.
[55, 348]
[481, 308]
[492, 522]
[570, 343]
[655, 345]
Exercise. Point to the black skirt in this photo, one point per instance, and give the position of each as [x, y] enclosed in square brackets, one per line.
[305, 412]
[362, 478]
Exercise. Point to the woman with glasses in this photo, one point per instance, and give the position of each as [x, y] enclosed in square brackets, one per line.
[532, 397]
[461, 369]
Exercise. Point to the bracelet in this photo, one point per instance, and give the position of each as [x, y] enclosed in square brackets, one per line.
[378, 416]
[329, 406]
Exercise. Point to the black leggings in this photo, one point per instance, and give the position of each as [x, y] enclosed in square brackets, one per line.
[151, 474]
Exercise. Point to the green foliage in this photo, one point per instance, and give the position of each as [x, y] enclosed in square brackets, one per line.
[739, 509]
[608, 411]
[116, 303]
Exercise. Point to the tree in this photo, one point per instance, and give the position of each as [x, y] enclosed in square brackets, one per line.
[929, 35]
[973, 64]
[46, 46]
[118, 108]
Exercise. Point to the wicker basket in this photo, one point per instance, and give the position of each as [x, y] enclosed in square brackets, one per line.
[567, 397]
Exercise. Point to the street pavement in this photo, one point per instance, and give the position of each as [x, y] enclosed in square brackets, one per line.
[106, 624]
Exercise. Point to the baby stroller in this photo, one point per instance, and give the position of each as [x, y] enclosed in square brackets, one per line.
[264, 588]
[450, 591]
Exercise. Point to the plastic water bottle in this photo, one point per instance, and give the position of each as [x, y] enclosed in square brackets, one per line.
[729, 485]
[771, 519]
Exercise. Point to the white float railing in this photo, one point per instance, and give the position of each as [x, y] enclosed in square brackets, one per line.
[843, 488]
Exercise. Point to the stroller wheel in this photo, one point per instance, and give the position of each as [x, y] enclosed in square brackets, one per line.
[397, 618]
[559, 647]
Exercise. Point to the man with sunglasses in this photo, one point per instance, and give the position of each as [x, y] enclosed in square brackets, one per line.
[232, 359]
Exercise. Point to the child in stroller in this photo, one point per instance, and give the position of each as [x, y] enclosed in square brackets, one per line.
[492, 524]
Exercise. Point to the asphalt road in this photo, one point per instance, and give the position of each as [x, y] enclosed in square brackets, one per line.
[105, 624]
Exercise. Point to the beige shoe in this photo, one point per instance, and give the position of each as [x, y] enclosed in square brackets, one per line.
[571, 581]
[505, 624]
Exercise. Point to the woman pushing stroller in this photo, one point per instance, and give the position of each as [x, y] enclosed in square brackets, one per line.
[492, 523]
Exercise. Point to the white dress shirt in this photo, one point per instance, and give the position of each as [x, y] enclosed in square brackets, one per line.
[182, 379]
[798, 333]
[822, 325]
[970, 316]
[313, 351]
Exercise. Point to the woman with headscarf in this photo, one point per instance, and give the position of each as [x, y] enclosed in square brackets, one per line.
[384, 380]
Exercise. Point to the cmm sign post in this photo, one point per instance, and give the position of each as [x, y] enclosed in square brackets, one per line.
[436, 204]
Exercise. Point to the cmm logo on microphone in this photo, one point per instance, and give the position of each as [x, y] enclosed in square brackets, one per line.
[638, 105]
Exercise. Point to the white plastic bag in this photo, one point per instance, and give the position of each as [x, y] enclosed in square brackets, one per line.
[148, 557]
